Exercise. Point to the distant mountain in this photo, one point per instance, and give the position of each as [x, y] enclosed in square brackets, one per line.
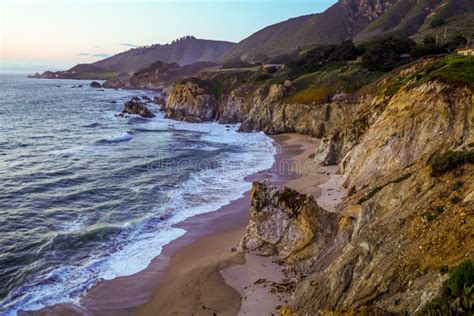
[360, 20]
[185, 51]
[340, 22]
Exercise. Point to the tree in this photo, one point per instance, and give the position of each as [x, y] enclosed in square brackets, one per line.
[386, 54]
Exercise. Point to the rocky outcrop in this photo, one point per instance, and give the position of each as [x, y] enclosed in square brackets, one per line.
[327, 152]
[416, 123]
[136, 106]
[410, 223]
[120, 82]
[156, 76]
[406, 231]
[192, 101]
[95, 84]
[291, 227]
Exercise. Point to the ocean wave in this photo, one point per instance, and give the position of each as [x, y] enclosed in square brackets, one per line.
[92, 125]
[102, 212]
[116, 139]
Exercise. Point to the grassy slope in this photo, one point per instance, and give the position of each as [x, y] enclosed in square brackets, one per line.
[319, 86]
[453, 69]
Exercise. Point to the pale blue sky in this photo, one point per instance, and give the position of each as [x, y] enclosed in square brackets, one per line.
[35, 35]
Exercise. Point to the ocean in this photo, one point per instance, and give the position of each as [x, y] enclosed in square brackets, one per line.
[86, 195]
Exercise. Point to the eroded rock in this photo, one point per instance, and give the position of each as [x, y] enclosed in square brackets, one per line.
[191, 101]
[135, 106]
[287, 225]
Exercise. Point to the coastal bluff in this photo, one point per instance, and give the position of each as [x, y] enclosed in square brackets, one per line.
[404, 148]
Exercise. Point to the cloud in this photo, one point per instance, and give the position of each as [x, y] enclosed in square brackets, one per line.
[128, 45]
[100, 55]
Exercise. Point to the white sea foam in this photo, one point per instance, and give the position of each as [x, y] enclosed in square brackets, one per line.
[120, 138]
[205, 191]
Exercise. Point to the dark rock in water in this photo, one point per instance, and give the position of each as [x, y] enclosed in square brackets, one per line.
[95, 84]
[146, 99]
[113, 101]
[161, 101]
[135, 106]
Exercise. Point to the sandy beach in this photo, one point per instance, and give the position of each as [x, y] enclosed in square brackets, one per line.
[207, 278]
[200, 273]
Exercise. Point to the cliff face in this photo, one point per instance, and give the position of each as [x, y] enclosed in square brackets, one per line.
[410, 213]
[407, 223]
[393, 264]
[191, 101]
[415, 124]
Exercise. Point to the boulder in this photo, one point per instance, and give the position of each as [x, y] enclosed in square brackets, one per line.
[135, 106]
[327, 153]
[95, 84]
[287, 225]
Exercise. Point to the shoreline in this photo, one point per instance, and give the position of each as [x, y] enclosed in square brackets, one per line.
[123, 295]
[207, 277]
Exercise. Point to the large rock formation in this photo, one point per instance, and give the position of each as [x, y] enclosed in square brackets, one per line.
[412, 224]
[136, 106]
[192, 101]
[291, 227]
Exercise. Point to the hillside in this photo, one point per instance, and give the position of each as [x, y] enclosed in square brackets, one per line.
[360, 20]
[340, 22]
[184, 51]
[422, 18]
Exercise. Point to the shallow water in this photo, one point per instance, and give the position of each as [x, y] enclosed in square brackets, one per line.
[86, 195]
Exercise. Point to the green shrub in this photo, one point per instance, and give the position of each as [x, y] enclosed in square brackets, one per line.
[450, 160]
[386, 54]
[460, 278]
[434, 213]
[457, 297]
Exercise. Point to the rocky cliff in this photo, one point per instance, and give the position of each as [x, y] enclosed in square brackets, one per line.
[405, 148]
[191, 101]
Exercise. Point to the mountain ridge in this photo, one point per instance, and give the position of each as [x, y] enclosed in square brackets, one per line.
[184, 51]
[361, 21]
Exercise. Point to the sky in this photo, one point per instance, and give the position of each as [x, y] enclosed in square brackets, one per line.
[56, 35]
